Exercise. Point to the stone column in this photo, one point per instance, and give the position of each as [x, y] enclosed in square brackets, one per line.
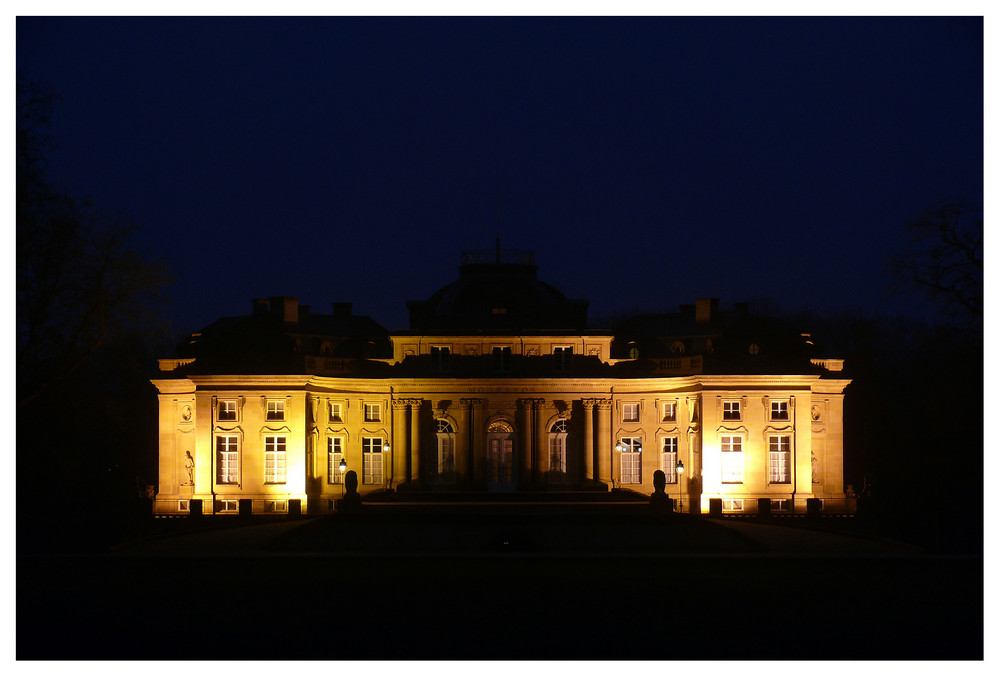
[477, 434]
[541, 441]
[525, 465]
[463, 464]
[588, 440]
[399, 442]
[604, 442]
[415, 439]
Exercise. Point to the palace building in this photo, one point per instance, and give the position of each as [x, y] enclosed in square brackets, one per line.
[498, 385]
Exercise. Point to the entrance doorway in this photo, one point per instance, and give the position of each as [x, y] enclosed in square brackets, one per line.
[500, 474]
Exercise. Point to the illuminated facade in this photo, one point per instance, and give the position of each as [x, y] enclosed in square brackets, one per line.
[498, 386]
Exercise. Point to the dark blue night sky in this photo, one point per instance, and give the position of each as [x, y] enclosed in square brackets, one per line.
[647, 161]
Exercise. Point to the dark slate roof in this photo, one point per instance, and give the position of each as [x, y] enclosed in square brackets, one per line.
[503, 296]
[263, 342]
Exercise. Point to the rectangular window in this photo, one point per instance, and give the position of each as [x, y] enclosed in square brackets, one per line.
[227, 410]
[732, 504]
[668, 459]
[630, 412]
[631, 460]
[732, 459]
[371, 455]
[779, 459]
[670, 412]
[501, 358]
[336, 414]
[276, 506]
[334, 454]
[731, 410]
[227, 505]
[440, 358]
[373, 412]
[275, 459]
[275, 410]
[227, 459]
[563, 356]
[779, 410]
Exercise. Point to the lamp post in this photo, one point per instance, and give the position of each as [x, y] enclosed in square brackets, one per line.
[680, 484]
[343, 469]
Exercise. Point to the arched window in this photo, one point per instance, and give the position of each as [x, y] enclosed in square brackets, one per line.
[557, 446]
[633, 351]
[677, 348]
[446, 448]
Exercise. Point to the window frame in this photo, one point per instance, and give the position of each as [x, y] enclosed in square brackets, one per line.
[372, 456]
[335, 411]
[440, 357]
[234, 461]
[776, 407]
[732, 410]
[445, 437]
[223, 412]
[276, 452]
[373, 412]
[776, 456]
[731, 456]
[502, 358]
[558, 433]
[668, 459]
[626, 407]
[670, 417]
[334, 454]
[633, 459]
[563, 356]
[278, 413]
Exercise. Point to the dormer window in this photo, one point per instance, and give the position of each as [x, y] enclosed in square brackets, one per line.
[440, 358]
[563, 355]
[501, 358]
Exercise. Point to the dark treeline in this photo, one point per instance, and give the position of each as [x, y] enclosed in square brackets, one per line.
[89, 327]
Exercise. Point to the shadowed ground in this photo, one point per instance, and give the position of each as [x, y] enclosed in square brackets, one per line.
[502, 583]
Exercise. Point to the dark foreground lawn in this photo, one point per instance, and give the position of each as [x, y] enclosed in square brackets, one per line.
[499, 600]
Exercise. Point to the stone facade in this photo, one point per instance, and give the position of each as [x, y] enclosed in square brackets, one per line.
[442, 406]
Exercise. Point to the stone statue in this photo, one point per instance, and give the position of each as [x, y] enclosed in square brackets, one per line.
[189, 466]
[350, 504]
[658, 500]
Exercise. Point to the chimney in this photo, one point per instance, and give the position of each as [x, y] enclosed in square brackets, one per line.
[285, 307]
[705, 309]
[742, 307]
[342, 309]
[259, 306]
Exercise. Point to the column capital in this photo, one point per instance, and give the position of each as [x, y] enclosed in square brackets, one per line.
[603, 403]
[467, 402]
[532, 402]
[588, 403]
[415, 402]
[400, 404]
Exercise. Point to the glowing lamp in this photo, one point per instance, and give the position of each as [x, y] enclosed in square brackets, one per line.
[618, 447]
[385, 447]
[680, 467]
[343, 465]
